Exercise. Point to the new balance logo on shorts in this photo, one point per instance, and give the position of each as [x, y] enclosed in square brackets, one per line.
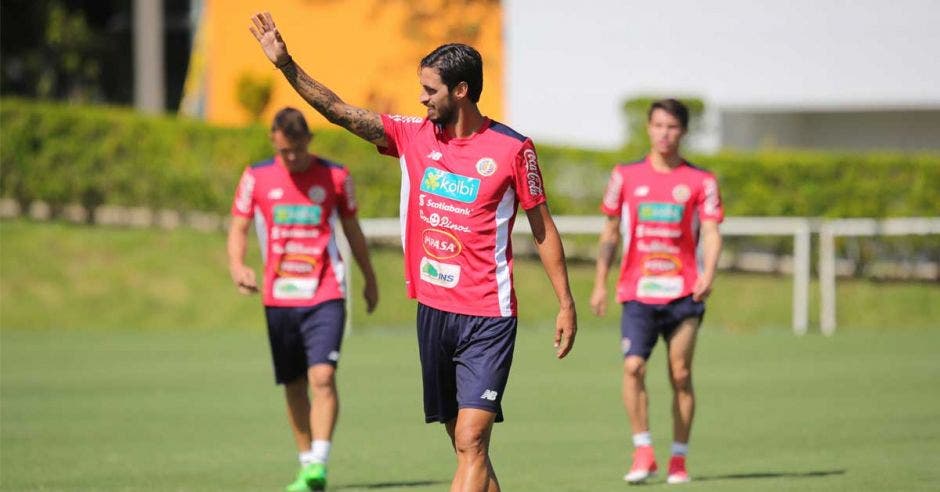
[489, 395]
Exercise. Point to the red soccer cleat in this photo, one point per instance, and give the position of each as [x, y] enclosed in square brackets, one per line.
[644, 465]
[677, 471]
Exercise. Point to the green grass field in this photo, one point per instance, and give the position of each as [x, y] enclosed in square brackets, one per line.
[128, 363]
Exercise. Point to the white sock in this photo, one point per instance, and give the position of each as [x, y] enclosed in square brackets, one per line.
[680, 448]
[305, 457]
[320, 451]
[642, 439]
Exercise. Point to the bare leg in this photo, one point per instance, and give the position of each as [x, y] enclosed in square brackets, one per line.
[681, 348]
[470, 435]
[325, 406]
[298, 412]
[635, 399]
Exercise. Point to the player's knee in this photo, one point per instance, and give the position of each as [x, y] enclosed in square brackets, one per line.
[681, 378]
[634, 367]
[322, 381]
[470, 441]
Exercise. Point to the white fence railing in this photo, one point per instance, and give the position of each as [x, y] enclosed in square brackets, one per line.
[801, 228]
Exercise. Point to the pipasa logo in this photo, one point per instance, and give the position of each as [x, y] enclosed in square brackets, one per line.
[297, 214]
[450, 185]
[669, 213]
[437, 273]
[661, 264]
[293, 265]
[440, 244]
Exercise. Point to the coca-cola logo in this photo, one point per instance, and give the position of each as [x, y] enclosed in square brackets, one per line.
[532, 176]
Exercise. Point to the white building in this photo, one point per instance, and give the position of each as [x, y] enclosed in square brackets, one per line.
[834, 74]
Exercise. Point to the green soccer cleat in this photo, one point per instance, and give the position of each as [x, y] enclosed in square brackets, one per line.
[310, 477]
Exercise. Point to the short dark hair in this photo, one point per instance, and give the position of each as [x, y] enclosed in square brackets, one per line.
[674, 107]
[291, 123]
[458, 63]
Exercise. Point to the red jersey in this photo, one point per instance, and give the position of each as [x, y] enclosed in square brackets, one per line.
[458, 205]
[660, 215]
[295, 214]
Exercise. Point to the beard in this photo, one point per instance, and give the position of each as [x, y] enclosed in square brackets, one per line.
[445, 116]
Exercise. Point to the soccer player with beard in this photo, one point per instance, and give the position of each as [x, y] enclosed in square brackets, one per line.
[662, 206]
[463, 177]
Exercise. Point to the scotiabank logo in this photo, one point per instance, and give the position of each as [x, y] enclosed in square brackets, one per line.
[450, 185]
[440, 244]
[437, 273]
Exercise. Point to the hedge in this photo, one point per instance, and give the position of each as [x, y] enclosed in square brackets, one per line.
[102, 155]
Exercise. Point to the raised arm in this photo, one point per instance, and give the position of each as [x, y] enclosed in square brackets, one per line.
[552, 254]
[362, 122]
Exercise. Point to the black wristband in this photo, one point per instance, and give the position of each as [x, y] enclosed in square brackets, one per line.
[285, 64]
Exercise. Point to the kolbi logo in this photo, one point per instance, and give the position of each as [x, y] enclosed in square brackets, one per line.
[297, 214]
[442, 274]
[450, 185]
[669, 213]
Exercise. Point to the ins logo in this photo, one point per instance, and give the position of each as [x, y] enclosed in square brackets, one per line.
[449, 185]
[443, 274]
[440, 244]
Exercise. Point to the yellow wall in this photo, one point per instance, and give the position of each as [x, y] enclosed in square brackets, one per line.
[367, 51]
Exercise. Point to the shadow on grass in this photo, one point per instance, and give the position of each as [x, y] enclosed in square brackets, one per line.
[389, 485]
[738, 476]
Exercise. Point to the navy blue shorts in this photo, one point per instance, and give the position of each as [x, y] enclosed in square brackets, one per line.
[465, 361]
[304, 336]
[642, 324]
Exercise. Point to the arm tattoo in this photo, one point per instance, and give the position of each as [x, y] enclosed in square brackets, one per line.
[606, 253]
[362, 122]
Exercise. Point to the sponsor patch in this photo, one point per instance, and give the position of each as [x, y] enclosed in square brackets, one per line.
[243, 198]
[350, 189]
[297, 214]
[669, 287]
[655, 246]
[294, 288]
[612, 194]
[442, 221]
[532, 176]
[440, 244]
[293, 265]
[653, 231]
[442, 274]
[444, 207]
[293, 233]
[450, 185]
[486, 166]
[668, 213]
[406, 119]
[661, 264]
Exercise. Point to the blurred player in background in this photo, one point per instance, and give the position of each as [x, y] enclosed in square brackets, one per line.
[463, 177]
[295, 199]
[662, 206]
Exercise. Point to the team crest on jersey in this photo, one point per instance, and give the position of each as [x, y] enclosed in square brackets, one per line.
[681, 193]
[486, 166]
[317, 194]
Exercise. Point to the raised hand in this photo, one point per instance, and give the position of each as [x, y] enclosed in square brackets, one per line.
[270, 39]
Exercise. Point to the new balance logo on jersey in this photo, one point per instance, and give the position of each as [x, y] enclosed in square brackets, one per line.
[435, 155]
[489, 395]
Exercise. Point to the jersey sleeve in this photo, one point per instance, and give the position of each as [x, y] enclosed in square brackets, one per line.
[709, 201]
[346, 204]
[399, 130]
[244, 203]
[528, 177]
[612, 203]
